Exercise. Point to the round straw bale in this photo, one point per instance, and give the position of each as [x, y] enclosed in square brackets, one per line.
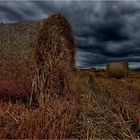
[47, 70]
[54, 57]
[118, 69]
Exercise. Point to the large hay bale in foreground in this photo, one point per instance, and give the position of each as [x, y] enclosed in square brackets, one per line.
[54, 57]
[118, 69]
[47, 70]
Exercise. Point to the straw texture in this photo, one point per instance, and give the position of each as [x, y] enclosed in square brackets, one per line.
[118, 69]
[54, 58]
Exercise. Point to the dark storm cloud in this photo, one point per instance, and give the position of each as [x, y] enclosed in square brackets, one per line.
[113, 35]
[104, 31]
[10, 14]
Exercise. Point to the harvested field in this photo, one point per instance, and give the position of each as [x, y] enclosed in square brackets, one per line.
[104, 108]
[106, 114]
[126, 93]
[88, 105]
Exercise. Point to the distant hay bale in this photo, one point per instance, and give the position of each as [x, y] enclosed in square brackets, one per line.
[54, 57]
[118, 69]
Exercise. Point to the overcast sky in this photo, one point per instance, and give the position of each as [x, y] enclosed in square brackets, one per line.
[104, 31]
